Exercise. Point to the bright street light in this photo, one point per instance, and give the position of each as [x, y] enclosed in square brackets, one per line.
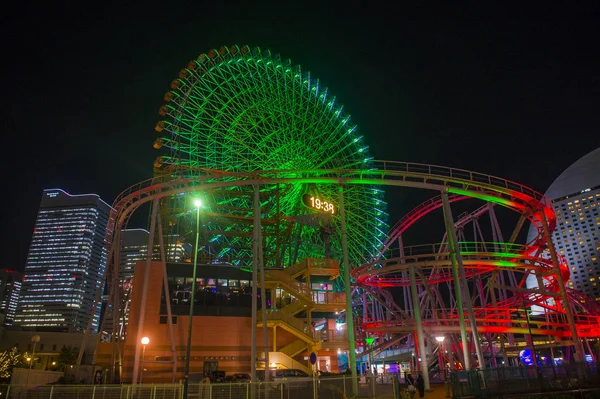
[145, 341]
[440, 339]
[197, 203]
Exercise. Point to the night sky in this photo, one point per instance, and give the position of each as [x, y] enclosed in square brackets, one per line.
[510, 90]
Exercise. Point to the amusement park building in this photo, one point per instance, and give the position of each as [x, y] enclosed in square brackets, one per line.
[575, 195]
[65, 264]
[300, 320]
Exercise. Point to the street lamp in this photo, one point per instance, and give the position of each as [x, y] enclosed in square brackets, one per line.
[145, 341]
[440, 339]
[197, 204]
[35, 339]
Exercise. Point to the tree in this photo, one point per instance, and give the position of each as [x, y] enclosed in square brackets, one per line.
[67, 357]
[9, 359]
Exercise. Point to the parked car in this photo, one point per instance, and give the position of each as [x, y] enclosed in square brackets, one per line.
[238, 377]
[292, 379]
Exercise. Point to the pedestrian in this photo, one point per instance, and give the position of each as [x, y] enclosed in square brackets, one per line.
[421, 386]
[410, 386]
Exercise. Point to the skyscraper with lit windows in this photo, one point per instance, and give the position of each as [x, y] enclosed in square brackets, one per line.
[134, 248]
[65, 264]
[10, 288]
[575, 195]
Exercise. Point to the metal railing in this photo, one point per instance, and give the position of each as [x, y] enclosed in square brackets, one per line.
[323, 387]
[524, 380]
[58, 391]
[329, 298]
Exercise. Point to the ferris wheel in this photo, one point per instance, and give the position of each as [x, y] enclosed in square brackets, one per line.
[241, 109]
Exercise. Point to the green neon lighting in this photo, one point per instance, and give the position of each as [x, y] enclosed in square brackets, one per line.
[250, 110]
[496, 254]
[370, 340]
[482, 196]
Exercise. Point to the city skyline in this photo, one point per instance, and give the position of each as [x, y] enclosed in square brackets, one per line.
[65, 263]
[493, 90]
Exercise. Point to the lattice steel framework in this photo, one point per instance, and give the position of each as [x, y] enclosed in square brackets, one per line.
[241, 109]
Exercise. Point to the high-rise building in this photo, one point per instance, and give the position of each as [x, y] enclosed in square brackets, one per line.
[65, 264]
[134, 248]
[10, 288]
[575, 195]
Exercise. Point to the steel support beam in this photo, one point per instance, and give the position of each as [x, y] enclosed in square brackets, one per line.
[578, 353]
[142, 314]
[460, 283]
[348, 289]
[261, 267]
[419, 325]
[161, 244]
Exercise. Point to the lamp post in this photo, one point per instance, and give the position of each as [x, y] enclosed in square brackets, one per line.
[440, 339]
[197, 204]
[35, 339]
[145, 342]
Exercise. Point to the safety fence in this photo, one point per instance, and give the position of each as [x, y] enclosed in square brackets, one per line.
[523, 381]
[332, 387]
[59, 391]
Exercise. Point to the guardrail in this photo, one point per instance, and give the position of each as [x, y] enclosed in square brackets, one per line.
[337, 386]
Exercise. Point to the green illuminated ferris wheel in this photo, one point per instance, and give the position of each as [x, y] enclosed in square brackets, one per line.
[242, 109]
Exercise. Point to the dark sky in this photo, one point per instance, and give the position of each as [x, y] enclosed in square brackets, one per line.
[508, 89]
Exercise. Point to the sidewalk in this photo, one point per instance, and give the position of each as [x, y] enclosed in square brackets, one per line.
[437, 391]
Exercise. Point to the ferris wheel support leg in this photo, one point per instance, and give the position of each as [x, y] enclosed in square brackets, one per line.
[418, 322]
[348, 289]
[578, 355]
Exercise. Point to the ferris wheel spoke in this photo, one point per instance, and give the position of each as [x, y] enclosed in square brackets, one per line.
[243, 109]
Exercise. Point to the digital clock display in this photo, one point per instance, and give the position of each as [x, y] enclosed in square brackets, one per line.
[317, 203]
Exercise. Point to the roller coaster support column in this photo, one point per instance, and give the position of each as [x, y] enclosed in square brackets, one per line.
[458, 269]
[163, 257]
[254, 308]
[348, 289]
[420, 336]
[261, 266]
[578, 355]
[457, 288]
[142, 314]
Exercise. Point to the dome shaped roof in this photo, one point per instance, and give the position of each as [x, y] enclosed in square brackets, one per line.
[582, 174]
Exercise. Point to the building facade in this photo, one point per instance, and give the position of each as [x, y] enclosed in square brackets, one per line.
[134, 248]
[575, 195]
[65, 264]
[10, 289]
[304, 316]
